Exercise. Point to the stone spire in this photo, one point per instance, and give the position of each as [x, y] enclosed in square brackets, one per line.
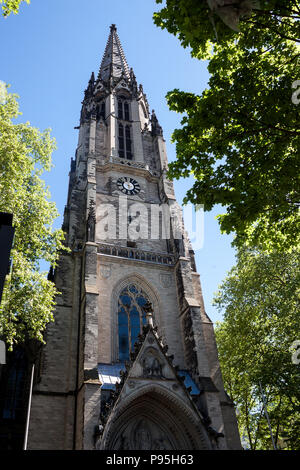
[113, 63]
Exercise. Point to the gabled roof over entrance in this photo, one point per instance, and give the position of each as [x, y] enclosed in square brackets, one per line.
[152, 408]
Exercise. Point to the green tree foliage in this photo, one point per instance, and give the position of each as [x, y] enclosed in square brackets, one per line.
[240, 138]
[25, 153]
[11, 6]
[260, 300]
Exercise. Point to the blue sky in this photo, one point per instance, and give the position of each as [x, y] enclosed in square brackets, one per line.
[47, 55]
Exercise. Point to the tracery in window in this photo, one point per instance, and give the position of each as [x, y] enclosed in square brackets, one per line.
[131, 318]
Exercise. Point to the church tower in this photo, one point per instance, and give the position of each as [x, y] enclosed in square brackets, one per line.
[130, 361]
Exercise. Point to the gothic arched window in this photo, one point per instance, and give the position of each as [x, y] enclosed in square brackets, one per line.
[125, 147]
[128, 143]
[124, 130]
[121, 141]
[123, 108]
[131, 318]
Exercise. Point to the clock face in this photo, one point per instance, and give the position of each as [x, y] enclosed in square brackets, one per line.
[128, 185]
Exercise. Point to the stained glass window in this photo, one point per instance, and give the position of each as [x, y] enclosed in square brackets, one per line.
[131, 318]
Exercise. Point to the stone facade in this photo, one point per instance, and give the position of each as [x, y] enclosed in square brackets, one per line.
[127, 244]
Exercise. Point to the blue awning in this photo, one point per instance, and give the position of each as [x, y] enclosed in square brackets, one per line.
[188, 382]
[109, 375]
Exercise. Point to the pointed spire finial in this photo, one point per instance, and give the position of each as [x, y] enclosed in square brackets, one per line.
[113, 28]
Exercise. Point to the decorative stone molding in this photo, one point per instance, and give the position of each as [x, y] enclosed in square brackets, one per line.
[121, 162]
[105, 271]
[91, 222]
[136, 254]
[166, 280]
[151, 364]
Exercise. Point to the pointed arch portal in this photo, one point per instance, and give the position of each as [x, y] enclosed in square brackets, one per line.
[154, 420]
